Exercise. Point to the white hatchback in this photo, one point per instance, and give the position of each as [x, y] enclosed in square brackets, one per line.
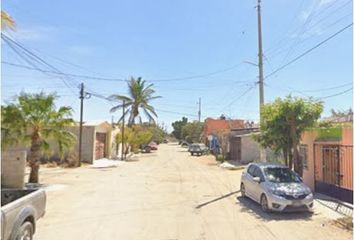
[276, 188]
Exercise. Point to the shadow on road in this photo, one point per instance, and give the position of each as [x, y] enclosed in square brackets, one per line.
[250, 206]
[216, 199]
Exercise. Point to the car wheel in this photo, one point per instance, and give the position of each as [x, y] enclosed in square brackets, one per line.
[243, 190]
[264, 203]
[25, 232]
[192, 153]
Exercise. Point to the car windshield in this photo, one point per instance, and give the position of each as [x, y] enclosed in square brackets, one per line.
[281, 175]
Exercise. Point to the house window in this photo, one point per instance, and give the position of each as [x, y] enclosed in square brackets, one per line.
[303, 152]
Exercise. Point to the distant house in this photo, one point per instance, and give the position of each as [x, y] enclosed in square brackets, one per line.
[97, 140]
[243, 148]
[327, 156]
[213, 126]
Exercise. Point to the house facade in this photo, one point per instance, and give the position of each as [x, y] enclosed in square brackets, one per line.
[98, 140]
[243, 148]
[214, 126]
[327, 155]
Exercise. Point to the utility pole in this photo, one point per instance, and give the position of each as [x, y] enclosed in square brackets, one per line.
[200, 109]
[123, 123]
[260, 68]
[82, 96]
[260, 59]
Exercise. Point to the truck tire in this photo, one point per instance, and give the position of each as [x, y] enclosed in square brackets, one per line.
[25, 232]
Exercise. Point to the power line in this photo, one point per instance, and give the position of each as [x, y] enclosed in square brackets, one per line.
[277, 48]
[309, 50]
[239, 97]
[27, 54]
[336, 94]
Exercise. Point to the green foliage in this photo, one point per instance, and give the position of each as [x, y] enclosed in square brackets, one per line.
[177, 127]
[140, 134]
[158, 133]
[283, 122]
[138, 100]
[191, 132]
[333, 133]
[33, 120]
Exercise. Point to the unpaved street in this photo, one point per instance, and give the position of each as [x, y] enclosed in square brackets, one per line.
[163, 196]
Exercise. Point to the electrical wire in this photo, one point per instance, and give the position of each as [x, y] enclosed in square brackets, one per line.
[336, 94]
[308, 51]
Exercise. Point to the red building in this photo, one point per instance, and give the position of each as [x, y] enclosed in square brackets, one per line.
[213, 126]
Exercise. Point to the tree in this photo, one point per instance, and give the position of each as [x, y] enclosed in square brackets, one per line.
[139, 99]
[223, 139]
[134, 136]
[192, 131]
[157, 131]
[222, 117]
[34, 120]
[177, 127]
[282, 124]
[128, 135]
[6, 21]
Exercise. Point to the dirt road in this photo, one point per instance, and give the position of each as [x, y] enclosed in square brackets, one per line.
[166, 195]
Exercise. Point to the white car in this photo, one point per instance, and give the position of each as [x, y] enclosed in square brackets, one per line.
[276, 188]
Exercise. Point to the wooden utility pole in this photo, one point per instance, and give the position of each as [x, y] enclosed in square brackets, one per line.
[123, 123]
[260, 68]
[200, 109]
[82, 96]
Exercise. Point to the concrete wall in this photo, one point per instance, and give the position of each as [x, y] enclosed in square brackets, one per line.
[88, 142]
[250, 150]
[13, 165]
[309, 138]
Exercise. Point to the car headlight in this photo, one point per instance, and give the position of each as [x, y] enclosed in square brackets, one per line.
[309, 195]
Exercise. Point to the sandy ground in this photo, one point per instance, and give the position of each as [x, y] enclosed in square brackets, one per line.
[166, 195]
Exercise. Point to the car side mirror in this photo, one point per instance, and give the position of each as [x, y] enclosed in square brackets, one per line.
[257, 179]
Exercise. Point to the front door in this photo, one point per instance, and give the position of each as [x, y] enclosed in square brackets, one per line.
[100, 145]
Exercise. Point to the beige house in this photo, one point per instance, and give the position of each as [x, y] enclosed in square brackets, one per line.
[97, 140]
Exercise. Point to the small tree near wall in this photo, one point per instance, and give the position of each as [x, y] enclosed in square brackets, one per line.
[283, 122]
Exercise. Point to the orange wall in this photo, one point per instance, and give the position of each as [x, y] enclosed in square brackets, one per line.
[308, 138]
[347, 136]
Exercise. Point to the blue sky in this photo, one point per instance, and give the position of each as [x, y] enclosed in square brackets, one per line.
[166, 42]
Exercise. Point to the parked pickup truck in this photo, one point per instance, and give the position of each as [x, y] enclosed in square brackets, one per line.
[20, 209]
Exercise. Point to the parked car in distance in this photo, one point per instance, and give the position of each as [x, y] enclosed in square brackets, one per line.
[276, 188]
[145, 148]
[20, 209]
[198, 149]
[165, 141]
[153, 145]
[184, 144]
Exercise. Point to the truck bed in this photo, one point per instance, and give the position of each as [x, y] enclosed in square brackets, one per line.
[10, 195]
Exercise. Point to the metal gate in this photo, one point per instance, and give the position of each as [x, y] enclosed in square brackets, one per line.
[235, 148]
[334, 170]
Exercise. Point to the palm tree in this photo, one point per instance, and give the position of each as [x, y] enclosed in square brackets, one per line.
[138, 99]
[6, 21]
[34, 120]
